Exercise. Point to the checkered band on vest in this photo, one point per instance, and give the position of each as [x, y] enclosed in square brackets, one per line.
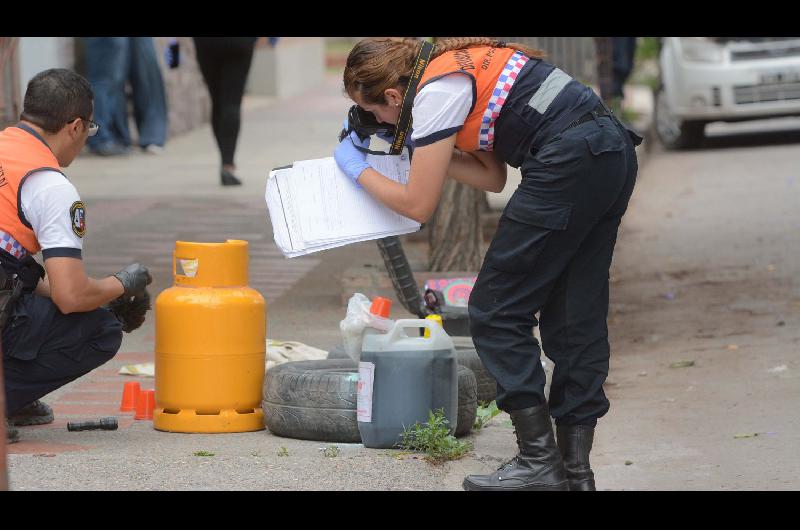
[499, 95]
[10, 245]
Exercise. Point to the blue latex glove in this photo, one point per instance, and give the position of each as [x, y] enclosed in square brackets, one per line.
[350, 160]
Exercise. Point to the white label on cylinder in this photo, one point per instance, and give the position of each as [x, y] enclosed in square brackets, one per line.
[366, 376]
[189, 267]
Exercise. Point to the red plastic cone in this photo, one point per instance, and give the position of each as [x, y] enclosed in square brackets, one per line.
[145, 405]
[130, 393]
[381, 306]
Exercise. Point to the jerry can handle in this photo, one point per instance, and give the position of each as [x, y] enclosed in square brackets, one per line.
[398, 331]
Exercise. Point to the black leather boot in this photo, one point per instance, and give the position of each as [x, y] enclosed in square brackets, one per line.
[575, 443]
[538, 465]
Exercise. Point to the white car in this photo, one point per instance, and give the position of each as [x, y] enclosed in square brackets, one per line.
[706, 79]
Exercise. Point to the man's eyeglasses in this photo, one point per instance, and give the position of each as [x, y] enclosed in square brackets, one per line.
[91, 126]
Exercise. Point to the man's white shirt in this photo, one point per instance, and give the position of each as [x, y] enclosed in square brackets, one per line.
[52, 206]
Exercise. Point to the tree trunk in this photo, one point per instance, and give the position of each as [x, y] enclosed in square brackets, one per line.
[456, 242]
[605, 66]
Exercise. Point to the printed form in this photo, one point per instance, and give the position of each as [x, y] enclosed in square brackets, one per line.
[314, 206]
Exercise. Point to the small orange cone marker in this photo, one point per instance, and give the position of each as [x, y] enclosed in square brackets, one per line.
[129, 395]
[145, 405]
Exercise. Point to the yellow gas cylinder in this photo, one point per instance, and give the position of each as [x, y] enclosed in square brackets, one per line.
[211, 331]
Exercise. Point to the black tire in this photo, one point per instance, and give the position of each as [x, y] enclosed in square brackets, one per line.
[312, 400]
[467, 356]
[337, 352]
[673, 132]
[316, 400]
[467, 401]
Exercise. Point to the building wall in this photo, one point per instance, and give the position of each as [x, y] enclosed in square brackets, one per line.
[293, 66]
[40, 53]
[188, 103]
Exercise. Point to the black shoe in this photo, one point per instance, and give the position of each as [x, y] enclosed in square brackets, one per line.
[36, 413]
[575, 443]
[12, 434]
[229, 179]
[537, 467]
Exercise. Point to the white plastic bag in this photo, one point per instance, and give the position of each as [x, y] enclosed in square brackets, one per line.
[358, 319]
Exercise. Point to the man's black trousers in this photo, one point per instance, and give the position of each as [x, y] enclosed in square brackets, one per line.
[44, 349]
[551, 254]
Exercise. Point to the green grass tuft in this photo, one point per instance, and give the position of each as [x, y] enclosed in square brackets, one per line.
[332, 451]
[434, 439]
[485, 413]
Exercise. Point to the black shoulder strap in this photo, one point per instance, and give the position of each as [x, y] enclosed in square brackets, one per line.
[404, 120]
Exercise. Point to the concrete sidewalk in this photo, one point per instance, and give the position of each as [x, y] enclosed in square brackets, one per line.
[137, 207]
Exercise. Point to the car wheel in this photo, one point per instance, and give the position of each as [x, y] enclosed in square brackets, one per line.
[674, 132]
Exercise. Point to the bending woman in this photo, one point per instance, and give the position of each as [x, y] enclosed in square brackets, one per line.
[482, 104]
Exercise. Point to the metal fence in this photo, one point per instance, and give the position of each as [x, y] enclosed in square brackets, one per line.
[574, 55]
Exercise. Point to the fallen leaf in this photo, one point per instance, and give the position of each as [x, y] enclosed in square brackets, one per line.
[732, 347]
[628, 462]
[681, 364]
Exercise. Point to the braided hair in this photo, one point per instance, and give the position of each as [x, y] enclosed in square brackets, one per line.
[460, 43]
[377, 64]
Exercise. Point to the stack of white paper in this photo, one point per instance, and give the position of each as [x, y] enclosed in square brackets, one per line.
[314, 206]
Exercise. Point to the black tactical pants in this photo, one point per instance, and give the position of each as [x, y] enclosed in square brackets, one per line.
[551, 254]
[44, 349]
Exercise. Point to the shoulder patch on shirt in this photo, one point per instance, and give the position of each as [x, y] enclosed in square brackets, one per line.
[77, 213]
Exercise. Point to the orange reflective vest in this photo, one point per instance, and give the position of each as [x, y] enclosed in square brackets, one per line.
[21, 153]
[493, 71]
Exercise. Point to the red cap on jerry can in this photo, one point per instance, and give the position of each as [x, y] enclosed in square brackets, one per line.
[381, 306]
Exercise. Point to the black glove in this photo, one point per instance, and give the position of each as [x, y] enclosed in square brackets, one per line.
[135, 277]
[130, 312]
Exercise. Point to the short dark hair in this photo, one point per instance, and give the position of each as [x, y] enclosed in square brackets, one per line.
[56, 96]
